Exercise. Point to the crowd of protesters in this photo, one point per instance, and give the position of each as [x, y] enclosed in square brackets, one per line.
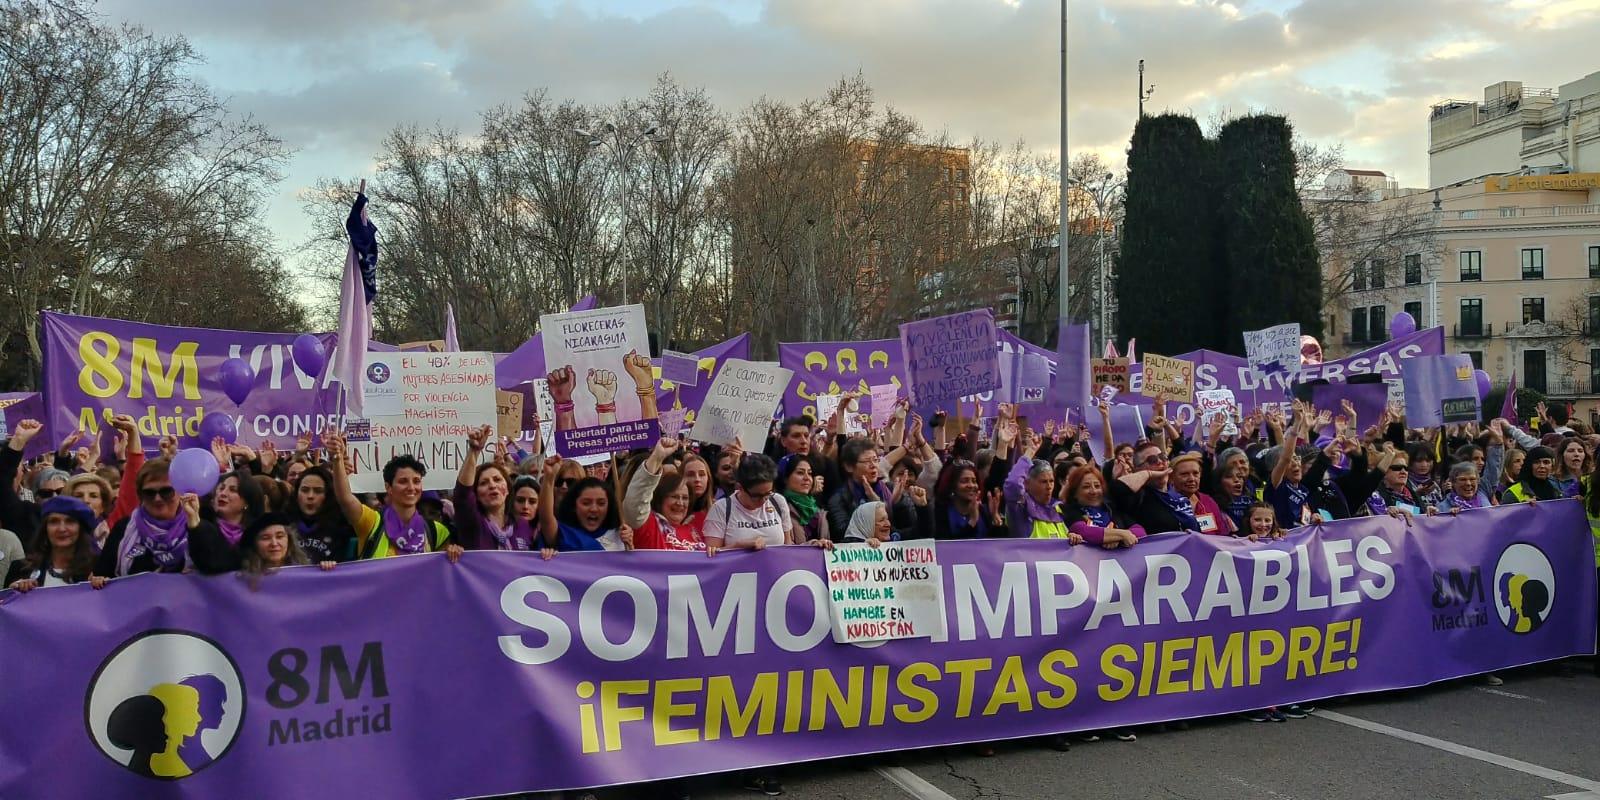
[69, 518]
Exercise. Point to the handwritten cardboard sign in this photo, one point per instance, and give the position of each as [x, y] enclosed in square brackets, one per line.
[951, 356]
[741, 403]
[1109, 372]
[1274, 349]
[892, 591]
[1166, 377]
[508, 408]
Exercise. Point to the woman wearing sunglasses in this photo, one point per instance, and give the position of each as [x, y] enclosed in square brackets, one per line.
[155, 537]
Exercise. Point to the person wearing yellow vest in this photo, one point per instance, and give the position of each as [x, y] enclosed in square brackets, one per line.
[1032, 510]
[1591, 505]
[399, 529]
[1535, 482]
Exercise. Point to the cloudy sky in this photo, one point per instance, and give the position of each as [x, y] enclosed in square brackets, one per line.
[332, 77]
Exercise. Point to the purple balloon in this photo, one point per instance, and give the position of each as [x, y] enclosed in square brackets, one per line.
[1483, 383]
[308, 354]
[237, 379]
[214, 425]
[193, 471]
[1402, 325]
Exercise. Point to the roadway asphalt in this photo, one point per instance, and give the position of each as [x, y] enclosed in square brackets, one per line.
[1537, 736]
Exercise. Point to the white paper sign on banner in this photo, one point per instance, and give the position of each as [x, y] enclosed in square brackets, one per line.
[892, 591]
[1212, 403]
[740, 403]
[440, 397]
[1275, 348]
[854, 420]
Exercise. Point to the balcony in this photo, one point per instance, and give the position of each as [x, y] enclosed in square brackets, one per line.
[1473, 331]
[1570, 386]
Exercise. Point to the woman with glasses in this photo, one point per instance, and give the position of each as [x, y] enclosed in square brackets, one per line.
[656, 504]
[1148, 497]
[754, 516]
[1466, 490]
[17, 514]
[1394, 495]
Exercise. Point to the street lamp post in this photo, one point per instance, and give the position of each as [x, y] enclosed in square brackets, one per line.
[1062, 276]
[619, 145]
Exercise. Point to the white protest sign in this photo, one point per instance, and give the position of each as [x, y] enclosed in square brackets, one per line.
[1274, 348]
[1212, 403]
[601, 379]
[884, 398]
[892, 591]
[827, 404]
[441, 396]
[740, 403]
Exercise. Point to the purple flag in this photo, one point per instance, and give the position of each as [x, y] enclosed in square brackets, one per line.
[1072, 366]
[1438, 388]
[526, 363]
[357, 289]
[1508, 409]
[630, 667]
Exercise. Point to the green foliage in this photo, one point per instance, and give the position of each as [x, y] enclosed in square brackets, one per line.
[1215, 241]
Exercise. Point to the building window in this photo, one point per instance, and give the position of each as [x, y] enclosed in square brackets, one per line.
[1533, 370]
[1471, 316]
[1472, 265]
[1378, 324]
[1358, 325]
[1358, 278]
[1533, 264]
[1593, 326]
[1594, 261]
[1532, 309]
[1477, 358]
[1594, 370]
[1413, 269]
[961, 175]
[1415, 310]
[1378, 268]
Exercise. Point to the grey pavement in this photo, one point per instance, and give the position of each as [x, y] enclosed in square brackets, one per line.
[1537, 736]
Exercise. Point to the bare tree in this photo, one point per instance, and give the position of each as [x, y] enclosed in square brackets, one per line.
[116, 165]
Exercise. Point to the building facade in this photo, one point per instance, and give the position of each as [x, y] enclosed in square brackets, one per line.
[1514, 129]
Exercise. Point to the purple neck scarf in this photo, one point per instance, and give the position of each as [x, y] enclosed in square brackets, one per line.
[504, 538]
[230, 531]
[166, 541]
[412, 537]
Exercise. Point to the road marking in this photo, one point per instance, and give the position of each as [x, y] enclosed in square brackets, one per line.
[913, 784]
[1504, 693]
[1574, 796]
[1589, 785]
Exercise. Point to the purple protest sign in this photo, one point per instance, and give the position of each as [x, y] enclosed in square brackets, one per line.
[1127, 427]
[952, 356]
[1436, 384]
[18, 406]
[680, 368]
[822, 368]
[1072, 383]
[627, 667]
[1368, 399]
[166, 378]
[707, 360]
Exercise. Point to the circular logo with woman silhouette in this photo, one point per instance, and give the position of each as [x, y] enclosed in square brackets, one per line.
[166, 704]
[1524, 588]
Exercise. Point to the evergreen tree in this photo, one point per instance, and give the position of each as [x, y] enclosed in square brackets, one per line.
[1267, 241]
[1168, 288]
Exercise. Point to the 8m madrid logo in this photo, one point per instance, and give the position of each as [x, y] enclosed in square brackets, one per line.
[165, 704]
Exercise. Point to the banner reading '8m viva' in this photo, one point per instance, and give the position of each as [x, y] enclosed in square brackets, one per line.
[166, 378]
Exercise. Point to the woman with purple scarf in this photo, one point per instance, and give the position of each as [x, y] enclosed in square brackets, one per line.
[484, 520]
[155, 538]
[233, 505]
[400, 529]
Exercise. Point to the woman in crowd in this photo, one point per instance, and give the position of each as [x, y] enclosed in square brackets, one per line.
[1465, 491]
[1511, 472]
[156, 536]
[1032, 510]
[398, 527]
[319, 526]
[95, 493]
[269, 544]
[1288, 495]
[568, 473]
[525, 498]
[61, 552]
[858, 469]
[794, 475]
[484, 519]
[235, 503]
[697, 477]
[1424, 482]
[1186, 472]
[586, 519]
[1148, 497]
[1572, 466]
[870, 524]
[1235, 489]
[1395, 494]
[960, 509]
[656, 504]
[1088, 511]
[754, 516]
[1536, 481]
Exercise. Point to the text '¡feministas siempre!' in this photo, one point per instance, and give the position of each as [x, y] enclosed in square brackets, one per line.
[951, 356]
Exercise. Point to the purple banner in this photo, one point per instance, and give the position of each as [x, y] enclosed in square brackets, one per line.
[1432, 384]
[1368, 399]
[838, 367]
[609, 668]
[1072, 385]
[166, 379]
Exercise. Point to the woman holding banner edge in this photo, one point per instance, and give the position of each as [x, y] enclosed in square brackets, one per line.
[400, 528]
